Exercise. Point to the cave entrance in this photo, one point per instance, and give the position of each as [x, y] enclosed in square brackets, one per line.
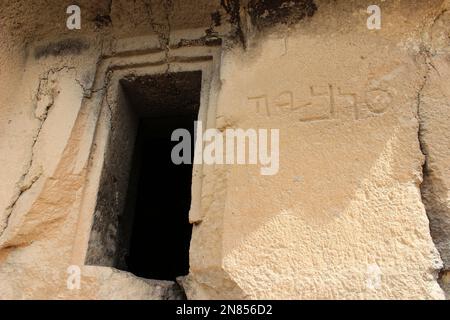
[141, 222]
[160, 196]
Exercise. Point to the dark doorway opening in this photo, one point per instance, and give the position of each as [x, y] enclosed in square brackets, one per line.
[159, 244]
[141, 223]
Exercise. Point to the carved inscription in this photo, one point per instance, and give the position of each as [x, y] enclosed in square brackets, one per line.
[328, 102]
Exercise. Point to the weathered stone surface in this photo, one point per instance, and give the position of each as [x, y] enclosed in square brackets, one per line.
[119, 285]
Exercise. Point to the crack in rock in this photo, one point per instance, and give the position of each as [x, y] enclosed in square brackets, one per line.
[163, 31]
[44, 101]
[426, 52]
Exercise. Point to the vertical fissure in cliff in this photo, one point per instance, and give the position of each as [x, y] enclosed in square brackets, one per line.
[141, 221]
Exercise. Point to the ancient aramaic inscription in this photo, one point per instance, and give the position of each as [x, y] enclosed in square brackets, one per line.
[322, 103]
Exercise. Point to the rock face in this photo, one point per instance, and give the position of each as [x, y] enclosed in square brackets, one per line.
[358, 209]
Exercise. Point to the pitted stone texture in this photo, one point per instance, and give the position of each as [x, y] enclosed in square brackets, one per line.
[435, 135]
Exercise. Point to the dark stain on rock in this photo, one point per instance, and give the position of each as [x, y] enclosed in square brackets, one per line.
[208, 41]
[102, 21]
[216, 18]
[233, 9]
[61, 48]
[266, 13]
